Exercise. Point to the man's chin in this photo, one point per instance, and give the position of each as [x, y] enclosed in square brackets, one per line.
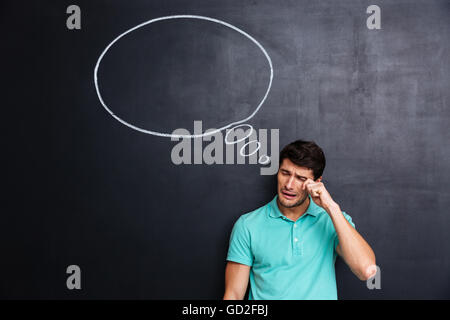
[287, 203]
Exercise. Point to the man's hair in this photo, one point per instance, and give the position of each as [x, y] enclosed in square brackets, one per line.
[305, 154]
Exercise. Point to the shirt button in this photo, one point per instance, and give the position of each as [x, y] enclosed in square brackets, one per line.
[295, 226]
[295, 239]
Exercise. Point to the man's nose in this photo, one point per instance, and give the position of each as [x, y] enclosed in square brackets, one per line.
[290, 183]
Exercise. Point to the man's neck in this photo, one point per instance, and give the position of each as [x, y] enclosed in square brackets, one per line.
[295, 212]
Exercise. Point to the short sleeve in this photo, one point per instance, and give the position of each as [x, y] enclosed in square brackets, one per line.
[349, 219]
[239, 250]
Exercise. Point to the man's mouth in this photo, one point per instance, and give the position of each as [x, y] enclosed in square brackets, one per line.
[288, 195]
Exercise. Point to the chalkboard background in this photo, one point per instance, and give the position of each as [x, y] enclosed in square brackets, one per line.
[81, 188]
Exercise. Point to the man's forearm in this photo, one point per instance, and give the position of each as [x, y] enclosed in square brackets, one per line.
[355, 251]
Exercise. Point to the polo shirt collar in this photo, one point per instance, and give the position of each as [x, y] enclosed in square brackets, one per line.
[274, 212]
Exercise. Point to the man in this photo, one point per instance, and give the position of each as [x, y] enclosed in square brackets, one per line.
[288, 247]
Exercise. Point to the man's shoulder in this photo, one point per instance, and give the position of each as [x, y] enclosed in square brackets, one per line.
[255, 216]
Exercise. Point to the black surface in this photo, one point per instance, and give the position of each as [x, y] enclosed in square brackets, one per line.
[81, 188]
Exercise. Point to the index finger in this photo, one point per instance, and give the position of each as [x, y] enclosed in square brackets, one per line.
[307, 181]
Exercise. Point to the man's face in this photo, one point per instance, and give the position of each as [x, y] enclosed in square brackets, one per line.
[290, 181]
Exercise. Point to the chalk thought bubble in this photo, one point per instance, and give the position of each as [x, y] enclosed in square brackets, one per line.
[166, 134]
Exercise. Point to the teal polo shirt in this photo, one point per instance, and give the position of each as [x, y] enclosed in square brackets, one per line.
[288, 259]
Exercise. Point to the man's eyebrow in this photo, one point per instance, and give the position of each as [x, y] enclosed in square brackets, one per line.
[297, 175]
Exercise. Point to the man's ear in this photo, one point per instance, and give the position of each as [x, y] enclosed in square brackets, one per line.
[319, 179]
